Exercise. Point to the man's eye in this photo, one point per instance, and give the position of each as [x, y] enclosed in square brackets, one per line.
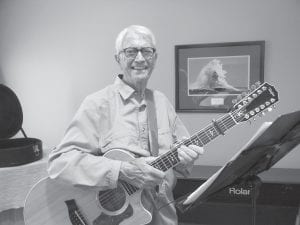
[147, 51]
[130, 51]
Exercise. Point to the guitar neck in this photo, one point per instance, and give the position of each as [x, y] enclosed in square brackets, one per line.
[170, 159]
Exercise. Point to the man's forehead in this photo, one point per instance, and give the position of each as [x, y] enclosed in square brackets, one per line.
[137, 39]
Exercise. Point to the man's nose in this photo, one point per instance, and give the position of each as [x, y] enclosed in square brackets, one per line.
[139, 57]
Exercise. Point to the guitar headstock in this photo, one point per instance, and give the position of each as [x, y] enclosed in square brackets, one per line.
[259, 100]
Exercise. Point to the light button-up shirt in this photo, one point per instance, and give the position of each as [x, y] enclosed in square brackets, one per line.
[111, 118]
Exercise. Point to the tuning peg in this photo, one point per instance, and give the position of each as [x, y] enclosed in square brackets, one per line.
[239, 97]
[247, 116]
[254, 95]
[244, 94]
[253, 87]
[270, 109]
[234, 101]
[258, 83]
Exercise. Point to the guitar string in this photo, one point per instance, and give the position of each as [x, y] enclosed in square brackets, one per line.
[132, 189]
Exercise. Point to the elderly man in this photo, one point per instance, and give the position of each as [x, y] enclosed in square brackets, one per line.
[118, 117]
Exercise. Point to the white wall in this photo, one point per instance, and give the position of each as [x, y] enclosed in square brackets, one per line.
[54, 53]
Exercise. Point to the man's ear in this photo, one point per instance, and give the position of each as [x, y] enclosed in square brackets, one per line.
[156, 55]
[117, 58]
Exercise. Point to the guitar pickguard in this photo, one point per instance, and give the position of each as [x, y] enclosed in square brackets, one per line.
[104, 219]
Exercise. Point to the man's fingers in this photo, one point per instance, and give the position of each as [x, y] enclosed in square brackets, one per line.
[183, 156]
[197, 149]
[149, 171]
[149, 159]
[190, 152]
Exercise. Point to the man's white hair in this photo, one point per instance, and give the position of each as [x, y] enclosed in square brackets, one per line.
[136, 29]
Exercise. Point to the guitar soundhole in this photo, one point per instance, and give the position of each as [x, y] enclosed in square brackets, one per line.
[113, 199]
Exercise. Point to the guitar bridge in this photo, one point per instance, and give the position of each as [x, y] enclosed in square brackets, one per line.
[75, 215]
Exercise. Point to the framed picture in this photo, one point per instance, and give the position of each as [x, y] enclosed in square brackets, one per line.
[210, 76]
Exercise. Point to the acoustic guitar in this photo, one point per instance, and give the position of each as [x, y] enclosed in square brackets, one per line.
[51, 202]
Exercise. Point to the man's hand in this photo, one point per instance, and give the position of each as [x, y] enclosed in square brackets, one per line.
[188, 154]
[140, 174]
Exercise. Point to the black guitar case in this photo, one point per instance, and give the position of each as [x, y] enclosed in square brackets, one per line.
[15, 151]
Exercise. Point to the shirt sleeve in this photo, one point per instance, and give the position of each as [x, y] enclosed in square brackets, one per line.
[76, 159]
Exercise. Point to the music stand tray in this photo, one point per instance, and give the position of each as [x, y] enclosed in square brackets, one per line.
[271, 142]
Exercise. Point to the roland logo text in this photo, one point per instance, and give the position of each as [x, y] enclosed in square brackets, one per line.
[239, 191]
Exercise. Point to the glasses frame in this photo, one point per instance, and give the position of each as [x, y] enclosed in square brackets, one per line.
[138, 50]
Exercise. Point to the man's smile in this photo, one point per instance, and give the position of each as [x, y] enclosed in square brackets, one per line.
[139, 67]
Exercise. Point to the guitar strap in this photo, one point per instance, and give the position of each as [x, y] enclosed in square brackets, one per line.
[152, 123]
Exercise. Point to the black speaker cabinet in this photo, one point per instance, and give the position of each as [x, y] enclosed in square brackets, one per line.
[277, 203]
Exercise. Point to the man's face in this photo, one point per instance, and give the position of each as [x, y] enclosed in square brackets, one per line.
[137, 70]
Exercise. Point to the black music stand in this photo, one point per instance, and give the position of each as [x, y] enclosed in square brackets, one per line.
[271, 143]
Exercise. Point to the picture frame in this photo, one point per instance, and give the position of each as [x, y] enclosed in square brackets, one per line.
[200, 81]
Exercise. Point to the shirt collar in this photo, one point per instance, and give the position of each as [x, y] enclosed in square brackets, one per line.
[125, 90]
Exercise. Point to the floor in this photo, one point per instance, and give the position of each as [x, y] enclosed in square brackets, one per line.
[15, 217]
[12, 217]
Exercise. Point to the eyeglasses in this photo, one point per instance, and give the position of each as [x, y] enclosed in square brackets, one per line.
[131, 52]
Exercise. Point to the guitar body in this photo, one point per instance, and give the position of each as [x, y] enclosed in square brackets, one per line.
[51, 202]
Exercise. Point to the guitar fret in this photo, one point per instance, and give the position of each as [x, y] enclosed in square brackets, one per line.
[164, 166]
[161, 164]
[173, 156]
[233, 118]
[213, 132]
[164, 162]
[205, 139]
[222, 125]
[197, 140]
[156, 165]
[169, 162]
[206, 135]
[215, 129]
